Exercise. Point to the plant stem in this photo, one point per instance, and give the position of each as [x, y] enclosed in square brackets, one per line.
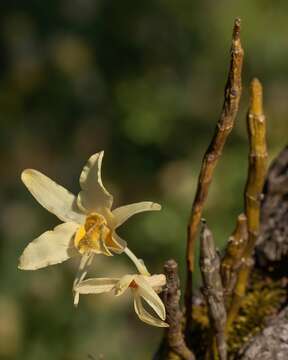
[224, 126]
[213, 292]
[233, 254]
[171, 297]
[256, 126]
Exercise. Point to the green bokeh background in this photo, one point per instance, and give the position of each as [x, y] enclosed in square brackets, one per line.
[144, 81]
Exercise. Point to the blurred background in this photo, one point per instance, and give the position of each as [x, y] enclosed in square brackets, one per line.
[144, 81]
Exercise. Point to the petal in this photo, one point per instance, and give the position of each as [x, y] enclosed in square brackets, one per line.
[93, 196]
[123, 284]
[85, 262]
[156, 281]
[122, 213]
[109, 217]
[144, 315]
[53, 197]
[103, 248]
[50, 248]
[116, 243]
[96, 286]
[146, 291]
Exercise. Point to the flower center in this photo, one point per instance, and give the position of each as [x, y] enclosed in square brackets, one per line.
[133, 285]
[94, 236]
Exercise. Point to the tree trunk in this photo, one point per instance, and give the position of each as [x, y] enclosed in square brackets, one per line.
[271, 255]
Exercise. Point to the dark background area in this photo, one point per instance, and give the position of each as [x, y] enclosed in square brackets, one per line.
[143, 81]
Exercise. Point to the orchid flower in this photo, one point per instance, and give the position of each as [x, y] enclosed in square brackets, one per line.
[89, 223]
[142, 287]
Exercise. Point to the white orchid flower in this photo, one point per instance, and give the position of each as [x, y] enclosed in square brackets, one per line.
[89, 223]
[142, 287]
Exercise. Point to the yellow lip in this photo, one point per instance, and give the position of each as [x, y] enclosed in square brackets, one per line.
[95, 236]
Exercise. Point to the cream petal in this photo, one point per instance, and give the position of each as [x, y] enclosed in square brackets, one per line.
[157, 282]
[118, 243]
[123, 213]
[86, 261]
[52, 196]
[50, 248]
[144, 315]
[123, 284]
[94, 196]
[96, 286]
[146, 291]
[109, 217]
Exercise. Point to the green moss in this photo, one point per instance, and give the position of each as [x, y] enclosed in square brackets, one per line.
[263, 300]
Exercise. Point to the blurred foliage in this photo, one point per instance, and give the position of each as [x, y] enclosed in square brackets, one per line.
[143, 81]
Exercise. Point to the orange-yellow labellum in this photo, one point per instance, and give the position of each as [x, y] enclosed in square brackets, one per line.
[95, 236]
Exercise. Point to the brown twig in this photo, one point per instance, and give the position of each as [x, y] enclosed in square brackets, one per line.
[213, 291]
[174, 343]
[224, 126]
[233, 254]
[175, 336]
[256, 126]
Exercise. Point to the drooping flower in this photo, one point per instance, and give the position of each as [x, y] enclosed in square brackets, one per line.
[142, 287]
[89, 223]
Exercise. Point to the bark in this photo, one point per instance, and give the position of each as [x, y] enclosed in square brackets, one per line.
[272, 246]
[271, 255]
[271, 343]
